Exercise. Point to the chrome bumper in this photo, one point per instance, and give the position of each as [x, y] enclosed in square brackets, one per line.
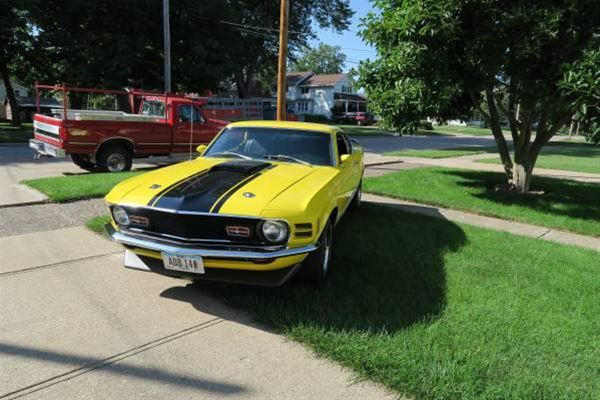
[158, 246]
[44, 149]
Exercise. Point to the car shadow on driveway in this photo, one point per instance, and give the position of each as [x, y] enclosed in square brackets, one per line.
[387, 274]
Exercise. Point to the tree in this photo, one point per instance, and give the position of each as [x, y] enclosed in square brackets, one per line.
[14, 37]
[446, 59]
[255, 53]
[115, 43]
[582, 85]
[324, 59]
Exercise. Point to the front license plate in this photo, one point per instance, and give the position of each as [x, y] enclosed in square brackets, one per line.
[176, 262]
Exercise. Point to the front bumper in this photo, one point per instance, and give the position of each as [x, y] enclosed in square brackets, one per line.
[44, 149]
[248, 269]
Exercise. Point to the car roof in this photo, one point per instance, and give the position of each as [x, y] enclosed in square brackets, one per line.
[302, 126]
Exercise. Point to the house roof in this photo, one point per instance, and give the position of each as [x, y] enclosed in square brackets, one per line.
[30, 102]
[349, 96]
[324, 80]
[293, 78]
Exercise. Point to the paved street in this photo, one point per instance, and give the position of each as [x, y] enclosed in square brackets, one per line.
[75, 324]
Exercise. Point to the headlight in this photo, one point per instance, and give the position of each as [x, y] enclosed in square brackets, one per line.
[120, 215]
[275, 231]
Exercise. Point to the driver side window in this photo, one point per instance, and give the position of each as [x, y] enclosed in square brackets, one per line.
[186, 112]
[342, 145]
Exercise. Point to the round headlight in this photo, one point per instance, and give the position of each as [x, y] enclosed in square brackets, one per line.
[120, 215]
[275, 231]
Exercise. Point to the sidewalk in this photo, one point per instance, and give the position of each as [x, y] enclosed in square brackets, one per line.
[468, 162]
[517, 228]
[76, 324]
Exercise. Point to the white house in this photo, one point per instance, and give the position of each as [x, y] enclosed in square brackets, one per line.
[324, 95]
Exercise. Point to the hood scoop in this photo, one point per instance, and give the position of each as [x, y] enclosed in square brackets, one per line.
[246, 167]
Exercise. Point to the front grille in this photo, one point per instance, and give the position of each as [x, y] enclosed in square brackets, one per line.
[194, 228]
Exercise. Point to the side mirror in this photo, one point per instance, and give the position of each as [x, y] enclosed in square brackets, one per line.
[344, 158]
[200, 149]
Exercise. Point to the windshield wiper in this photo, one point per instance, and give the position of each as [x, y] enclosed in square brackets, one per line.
[284, 157]
[230, 153]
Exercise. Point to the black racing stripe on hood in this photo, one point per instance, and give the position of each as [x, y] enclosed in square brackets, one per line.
[179, 182]
[200, 192]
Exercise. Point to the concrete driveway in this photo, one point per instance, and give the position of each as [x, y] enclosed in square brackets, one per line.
[75, 324]
[17, 164]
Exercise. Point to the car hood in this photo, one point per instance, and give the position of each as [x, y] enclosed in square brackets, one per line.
[212, 185]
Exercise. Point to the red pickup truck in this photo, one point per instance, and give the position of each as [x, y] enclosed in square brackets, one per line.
[165, 125]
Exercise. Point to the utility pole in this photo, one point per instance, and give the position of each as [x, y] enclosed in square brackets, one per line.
[167, 45]
[281, 71]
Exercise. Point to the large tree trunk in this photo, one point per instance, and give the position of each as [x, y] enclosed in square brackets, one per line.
[10, 93]
[494, 122]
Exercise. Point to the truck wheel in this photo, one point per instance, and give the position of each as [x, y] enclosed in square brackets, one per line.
[114, 159]
[83, 162]
[315, 267]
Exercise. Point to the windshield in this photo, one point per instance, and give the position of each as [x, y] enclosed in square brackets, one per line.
[276, 144]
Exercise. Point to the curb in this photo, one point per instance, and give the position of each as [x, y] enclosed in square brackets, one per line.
[25, 203]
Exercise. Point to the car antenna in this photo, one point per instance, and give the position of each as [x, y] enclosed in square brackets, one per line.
[192, 108]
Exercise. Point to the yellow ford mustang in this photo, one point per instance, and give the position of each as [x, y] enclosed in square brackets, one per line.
[257, 206]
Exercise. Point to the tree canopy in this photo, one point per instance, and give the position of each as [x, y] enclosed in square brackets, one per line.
[114, 43]
[324, 59]
[521, 59]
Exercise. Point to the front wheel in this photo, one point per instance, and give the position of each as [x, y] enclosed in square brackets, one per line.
[357, 199]
[315, 268]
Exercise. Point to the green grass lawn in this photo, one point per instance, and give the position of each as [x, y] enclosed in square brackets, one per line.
[579, 157]
[436, 310]
[442, 153]
[77, 187]
[97, 224]
[566, 205]
[466, 130]
[11, 134]
[373, 130]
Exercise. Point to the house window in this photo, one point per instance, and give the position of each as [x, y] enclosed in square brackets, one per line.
[346, 89]
[302, 106]
[304, 90]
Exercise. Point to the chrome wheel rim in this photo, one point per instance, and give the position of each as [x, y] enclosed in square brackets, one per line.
[116, 162]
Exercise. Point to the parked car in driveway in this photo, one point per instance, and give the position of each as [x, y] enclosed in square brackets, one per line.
[259, 205]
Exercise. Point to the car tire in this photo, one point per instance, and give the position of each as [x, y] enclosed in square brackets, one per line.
[83, 162]
[316, 267]
[114, 159]
[357, 199]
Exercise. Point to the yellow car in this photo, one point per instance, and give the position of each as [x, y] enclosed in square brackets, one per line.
[257, 206]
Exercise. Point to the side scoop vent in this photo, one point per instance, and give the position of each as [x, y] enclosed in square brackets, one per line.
[303, 230]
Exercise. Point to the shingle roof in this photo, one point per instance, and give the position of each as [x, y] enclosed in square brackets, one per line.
[324, 80]
[293, 78]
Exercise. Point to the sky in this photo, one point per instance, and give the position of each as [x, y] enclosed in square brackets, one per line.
[352, 45]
